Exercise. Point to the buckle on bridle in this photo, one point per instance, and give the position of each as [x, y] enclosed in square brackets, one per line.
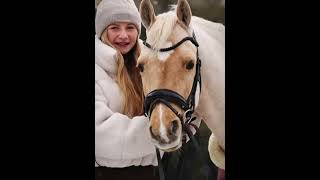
[187, 115]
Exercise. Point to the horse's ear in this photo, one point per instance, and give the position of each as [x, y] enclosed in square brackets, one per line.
[147, 13]
[184, 12]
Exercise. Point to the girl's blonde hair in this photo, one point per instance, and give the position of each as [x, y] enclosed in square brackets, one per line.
[129, 79]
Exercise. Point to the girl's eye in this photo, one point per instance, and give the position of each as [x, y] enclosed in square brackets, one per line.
[113, 27]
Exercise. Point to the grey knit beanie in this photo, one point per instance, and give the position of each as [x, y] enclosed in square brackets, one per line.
[110, 11]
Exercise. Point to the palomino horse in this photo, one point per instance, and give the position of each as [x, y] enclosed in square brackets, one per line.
[175, 86]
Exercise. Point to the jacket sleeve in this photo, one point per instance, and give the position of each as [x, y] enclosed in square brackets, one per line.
[116, 135]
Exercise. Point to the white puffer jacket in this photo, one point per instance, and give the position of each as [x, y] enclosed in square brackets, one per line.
[119, 140]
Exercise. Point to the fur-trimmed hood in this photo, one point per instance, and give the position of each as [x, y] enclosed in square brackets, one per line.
[105, 57]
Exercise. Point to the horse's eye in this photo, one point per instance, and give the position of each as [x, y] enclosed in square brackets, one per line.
[190, 65]
[141, 67]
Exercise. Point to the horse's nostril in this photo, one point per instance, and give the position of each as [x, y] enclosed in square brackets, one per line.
[151, 132]
[174, 126]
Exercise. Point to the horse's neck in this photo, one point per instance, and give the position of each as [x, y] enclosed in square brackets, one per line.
[210, 37]
[213, 113]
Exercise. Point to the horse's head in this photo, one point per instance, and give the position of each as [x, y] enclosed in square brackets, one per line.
[173, 70]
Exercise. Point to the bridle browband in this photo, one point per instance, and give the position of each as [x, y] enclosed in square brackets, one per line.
[192, 39]
[167, 96]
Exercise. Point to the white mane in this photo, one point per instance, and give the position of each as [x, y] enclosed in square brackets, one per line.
[161, 29]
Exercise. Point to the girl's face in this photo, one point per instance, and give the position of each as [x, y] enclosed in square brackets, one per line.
[122, 35]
